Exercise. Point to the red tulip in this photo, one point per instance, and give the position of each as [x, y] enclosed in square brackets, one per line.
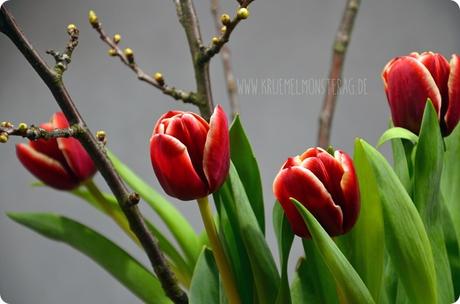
[190, 157]
[410, 80]
[60, 163]
[326, 185]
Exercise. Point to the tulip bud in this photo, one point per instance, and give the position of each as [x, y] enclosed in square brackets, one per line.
[60, 163]
[410, 80]
[190, 156]
[325, 184]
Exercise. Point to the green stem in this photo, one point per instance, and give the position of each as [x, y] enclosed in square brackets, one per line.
[118, 218]
[219, 254]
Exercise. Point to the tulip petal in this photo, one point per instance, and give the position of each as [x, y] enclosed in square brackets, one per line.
[76, 156]
[439, 69]
[173, 168]
[46, 169]
[453, 112]
[408, 86]
[304, 186]
[351, 201]
[216, 158]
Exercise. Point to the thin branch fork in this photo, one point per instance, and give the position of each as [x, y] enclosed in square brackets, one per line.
[115, 50]
[340, 48]
[127, 201]
[36, 133]
[226, 62]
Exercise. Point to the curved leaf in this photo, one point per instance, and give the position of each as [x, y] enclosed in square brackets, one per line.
[104, 252]
[246, 165]
[405, 234]
[397, 132]
[205, 280]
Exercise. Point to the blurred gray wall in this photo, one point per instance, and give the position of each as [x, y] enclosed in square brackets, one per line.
[281, 40]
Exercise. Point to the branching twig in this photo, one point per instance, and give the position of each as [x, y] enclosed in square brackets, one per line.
[63, 59]
[128, 201]
[127, 57]
[341, 42]
[226, 61]
[230, 25]
[35, 133]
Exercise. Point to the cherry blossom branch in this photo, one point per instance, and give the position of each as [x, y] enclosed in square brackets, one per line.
[127, 57]
[340, 48]
[128, 201]
[226, 60]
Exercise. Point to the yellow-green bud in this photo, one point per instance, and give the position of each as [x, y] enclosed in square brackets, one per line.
[225, 19]
[6, 124]
[93, 19]
[71, 27]
[223, 29]
[116, 38]
[242, 13]
[129, 54]
[101, 135]
[112, 52]
[159, 78]
[3, 138]
[215, 40]
[22, 127]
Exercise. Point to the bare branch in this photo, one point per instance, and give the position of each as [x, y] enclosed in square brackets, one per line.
[127, 201]
[35, 133]
[128, 59]
[340, 47]
[226, 61]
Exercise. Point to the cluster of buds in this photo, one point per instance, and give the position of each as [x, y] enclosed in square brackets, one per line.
[241, 14]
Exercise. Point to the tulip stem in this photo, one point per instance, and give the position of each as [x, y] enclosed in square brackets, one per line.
[219, 254]
[105, 207]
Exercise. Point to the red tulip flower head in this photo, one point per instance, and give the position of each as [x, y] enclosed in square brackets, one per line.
[326, 185]
[410, 80]
[60, 163]
[190, 156]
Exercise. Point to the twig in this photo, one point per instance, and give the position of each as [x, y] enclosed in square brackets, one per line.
[219, 42]
[35, 133]
[340, 47]
[128, 60]
[226, 62]
[189, 20]
[127, 201]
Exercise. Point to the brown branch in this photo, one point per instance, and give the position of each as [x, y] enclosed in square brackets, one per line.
[340, 47]
[219, 42]
[226, 61]
[127, 201]
[189, 20]
[35, 133]
[128, 60]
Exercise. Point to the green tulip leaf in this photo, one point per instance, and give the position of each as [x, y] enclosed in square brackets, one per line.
[350, 287]
[174, 220]
[240, 213]
[367, 237]
[397, 132]
[246, 165]
[428, 165]
[123, 267]
[284, 237]
[405, 236]
[205, 280]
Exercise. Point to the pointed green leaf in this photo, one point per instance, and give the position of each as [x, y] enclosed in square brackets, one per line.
[367, 237]
[246, 165]
[104, 252]
[205, 281]
[397, 132]
[428, 163]
[405, 234]
[284, 237]
[350, 287]
[174, 220]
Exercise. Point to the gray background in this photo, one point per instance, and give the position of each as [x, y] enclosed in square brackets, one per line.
[282, 39]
